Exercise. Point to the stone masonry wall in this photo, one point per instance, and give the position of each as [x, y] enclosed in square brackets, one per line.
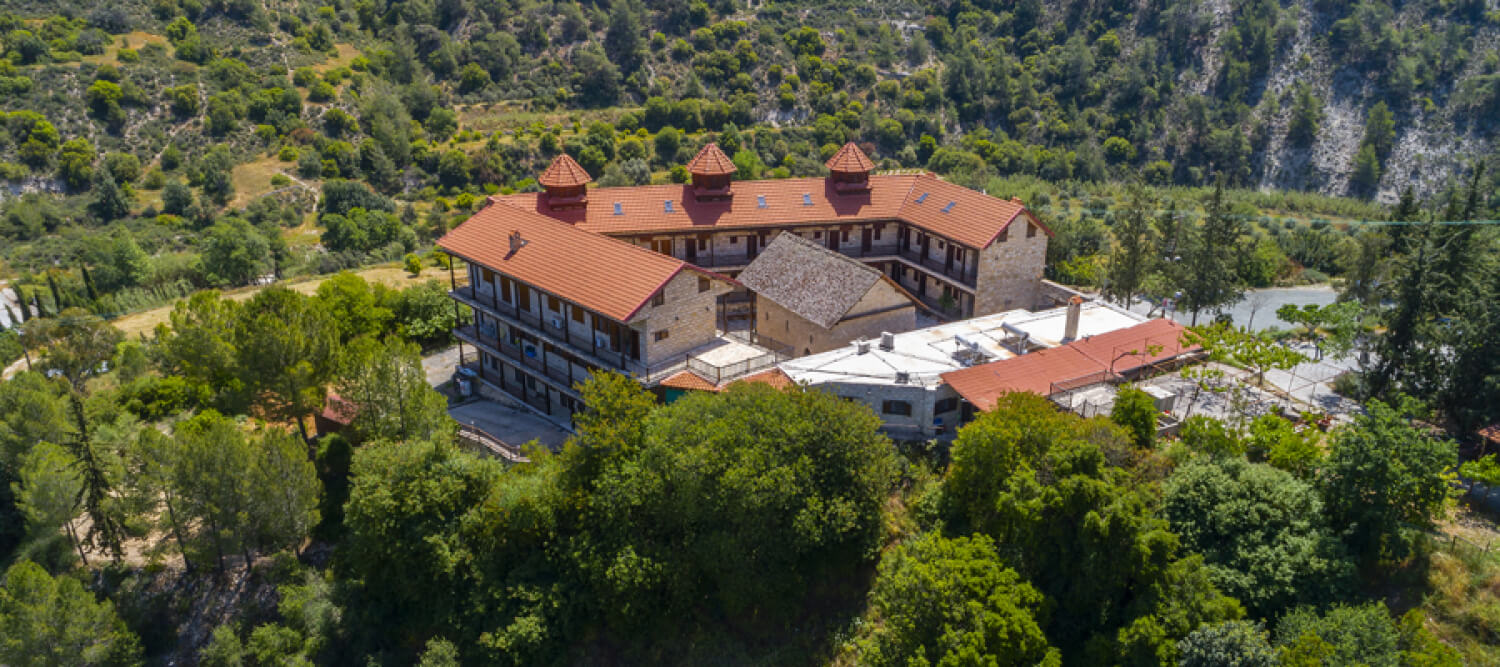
[688, 316]
[1010, 271]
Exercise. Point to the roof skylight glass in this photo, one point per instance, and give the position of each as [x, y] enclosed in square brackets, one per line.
[619, 210]
[760, 201]
[922, 198]
[667, 205]
[806, 199]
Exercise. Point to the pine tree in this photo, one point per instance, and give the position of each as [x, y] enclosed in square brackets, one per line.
[1211, 259]
[1131, 259]
[106, 530]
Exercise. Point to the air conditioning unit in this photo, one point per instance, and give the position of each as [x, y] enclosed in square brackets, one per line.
[903, 377]
[557, 322]
[600, 340]
[887, 341]
[861, 347]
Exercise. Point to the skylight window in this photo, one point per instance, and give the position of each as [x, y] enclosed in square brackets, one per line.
[667, 205]
[760, 201]
[619, 210]
[922, 198]
[806, 199]
[949, 207]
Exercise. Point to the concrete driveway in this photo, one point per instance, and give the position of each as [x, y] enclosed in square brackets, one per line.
[513, 426]
[439, 366]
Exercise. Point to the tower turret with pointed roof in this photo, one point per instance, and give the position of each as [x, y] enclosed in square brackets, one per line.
[566, 183]
[711, 170]
[849, 169]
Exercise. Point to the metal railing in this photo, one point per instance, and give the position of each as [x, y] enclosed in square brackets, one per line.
[561, 337]
[957, 272]
[721, 374]
[477, 438]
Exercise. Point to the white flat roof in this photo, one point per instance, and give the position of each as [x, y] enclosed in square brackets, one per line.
[925, 354]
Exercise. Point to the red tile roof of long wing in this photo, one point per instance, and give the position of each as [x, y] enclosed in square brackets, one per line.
[849, 159]
[602, 274]
[564, 172]
[1124, 350]
[1106, 354]
[711, 161]
[1034, 372]
[975, 219]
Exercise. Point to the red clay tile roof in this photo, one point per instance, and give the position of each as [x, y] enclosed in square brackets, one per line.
[710, 161]
[974, 220]
[1106, 355]
[1034, 372]
[597, 272]
[338, 410]
[774, 377]
[1125, 350]
[688, 380]
[849, 159]
[693, 381]
[564, 172]
[1490, 433]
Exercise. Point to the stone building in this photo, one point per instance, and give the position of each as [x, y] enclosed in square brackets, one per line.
[809, 299]
[641, 280]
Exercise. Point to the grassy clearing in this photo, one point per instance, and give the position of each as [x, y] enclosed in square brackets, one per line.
[1462, 600]
[390, 275]
[253, 179]
[346, 55]
[133, 40]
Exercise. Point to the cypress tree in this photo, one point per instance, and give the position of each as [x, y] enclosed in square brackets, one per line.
[57, 301]
[88, 284]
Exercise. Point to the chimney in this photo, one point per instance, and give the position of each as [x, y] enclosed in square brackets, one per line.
[887, 341]
[516, 242]
[1070, 326]
[861, 347]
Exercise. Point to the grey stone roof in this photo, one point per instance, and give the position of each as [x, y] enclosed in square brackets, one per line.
[808, 279]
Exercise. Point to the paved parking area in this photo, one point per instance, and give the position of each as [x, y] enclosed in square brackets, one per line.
[512, 425]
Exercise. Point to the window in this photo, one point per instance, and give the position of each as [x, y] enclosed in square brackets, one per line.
[817, 235]
[895, 408]
[945, 405]
[659, 298]
[734, 240]
[1003, 234]
[844, 235]
[553, 304]
[788, 325]
[577, 314]
[489, 276]
[662, 246]
[703, 243]
[958, 254]
[703, 284]
[661, 335]
[1030, 230]
[877, 232]
[505, 289]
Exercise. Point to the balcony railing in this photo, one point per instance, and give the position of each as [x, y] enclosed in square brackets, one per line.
[567, 376]
[957, 272]
[561, 336]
